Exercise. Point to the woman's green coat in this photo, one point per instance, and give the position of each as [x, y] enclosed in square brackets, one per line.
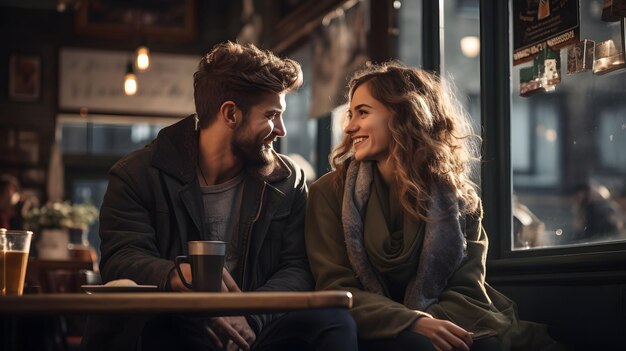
[467, 300]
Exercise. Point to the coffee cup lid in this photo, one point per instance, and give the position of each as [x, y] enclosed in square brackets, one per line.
[207, 247]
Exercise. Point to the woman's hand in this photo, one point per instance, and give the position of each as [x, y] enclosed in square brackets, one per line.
[445, 335]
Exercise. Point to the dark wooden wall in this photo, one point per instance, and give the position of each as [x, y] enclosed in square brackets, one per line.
[43, 31]
[582, 298]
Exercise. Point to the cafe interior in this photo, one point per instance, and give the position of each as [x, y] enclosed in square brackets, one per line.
[85, 82]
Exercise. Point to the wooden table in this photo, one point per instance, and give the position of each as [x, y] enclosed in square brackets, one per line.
[149, 304]
[170, 302]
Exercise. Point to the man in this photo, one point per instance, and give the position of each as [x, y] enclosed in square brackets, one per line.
[215, 176]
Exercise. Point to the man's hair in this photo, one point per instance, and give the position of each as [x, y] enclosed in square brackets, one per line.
[242, 74]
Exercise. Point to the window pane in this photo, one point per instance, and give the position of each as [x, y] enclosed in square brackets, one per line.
[567, 152]
[460, 63]
[120, 139]
[301, 130]
[73, 138]
[108, 135]
[461, 57]
[101, 136]
[90, 191]
[410, 32]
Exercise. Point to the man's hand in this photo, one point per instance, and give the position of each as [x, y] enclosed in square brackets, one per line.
[228, 283]
[445, 335]
[175, 283]
[231, 333]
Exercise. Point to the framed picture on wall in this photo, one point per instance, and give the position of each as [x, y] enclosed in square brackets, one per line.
[24, 77]
[19, 147]
[168, 20]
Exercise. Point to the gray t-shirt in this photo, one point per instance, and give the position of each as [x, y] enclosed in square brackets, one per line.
[221, 206]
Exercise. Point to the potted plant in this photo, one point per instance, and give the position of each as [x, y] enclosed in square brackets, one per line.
[54, 222]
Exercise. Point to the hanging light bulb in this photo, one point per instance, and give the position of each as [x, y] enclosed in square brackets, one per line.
[143, 58]
[130, 80]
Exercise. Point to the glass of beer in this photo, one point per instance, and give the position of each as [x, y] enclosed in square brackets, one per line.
[14, 247]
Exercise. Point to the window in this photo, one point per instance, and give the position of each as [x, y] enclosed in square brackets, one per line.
[91, 145]
[460, 64]
[108, 135]
[461, 58]
[410, 32]
[567, 152]
[461, 54]
[301, 130]
[611, 138]
[535, 152]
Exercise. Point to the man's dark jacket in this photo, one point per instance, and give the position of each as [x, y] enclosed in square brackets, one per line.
[153, 206]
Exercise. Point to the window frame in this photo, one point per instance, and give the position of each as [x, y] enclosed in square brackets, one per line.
[591, 263]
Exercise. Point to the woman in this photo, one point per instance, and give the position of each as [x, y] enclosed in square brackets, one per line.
[398, 223]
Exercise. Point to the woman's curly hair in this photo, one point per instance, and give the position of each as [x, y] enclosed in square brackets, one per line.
[432, 137]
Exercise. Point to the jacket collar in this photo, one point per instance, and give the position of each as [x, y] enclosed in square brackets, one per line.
[176, 153]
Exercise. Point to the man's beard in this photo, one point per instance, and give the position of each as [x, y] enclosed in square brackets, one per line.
[251, 151]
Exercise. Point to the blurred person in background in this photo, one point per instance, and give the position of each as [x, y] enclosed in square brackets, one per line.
[598, 216]
[528, 229]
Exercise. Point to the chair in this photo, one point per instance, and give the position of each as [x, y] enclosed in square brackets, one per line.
[42, 275]
[62, 333]
[63, 281]
[69, 329]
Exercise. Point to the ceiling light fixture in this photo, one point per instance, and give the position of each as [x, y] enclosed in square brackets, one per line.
[130, 80]
[143, 58]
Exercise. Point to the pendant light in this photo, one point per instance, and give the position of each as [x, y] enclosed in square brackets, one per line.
[130, 80]
[143, 58]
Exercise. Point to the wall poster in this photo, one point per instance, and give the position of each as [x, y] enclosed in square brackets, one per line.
[95, 79]
[555, 23]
